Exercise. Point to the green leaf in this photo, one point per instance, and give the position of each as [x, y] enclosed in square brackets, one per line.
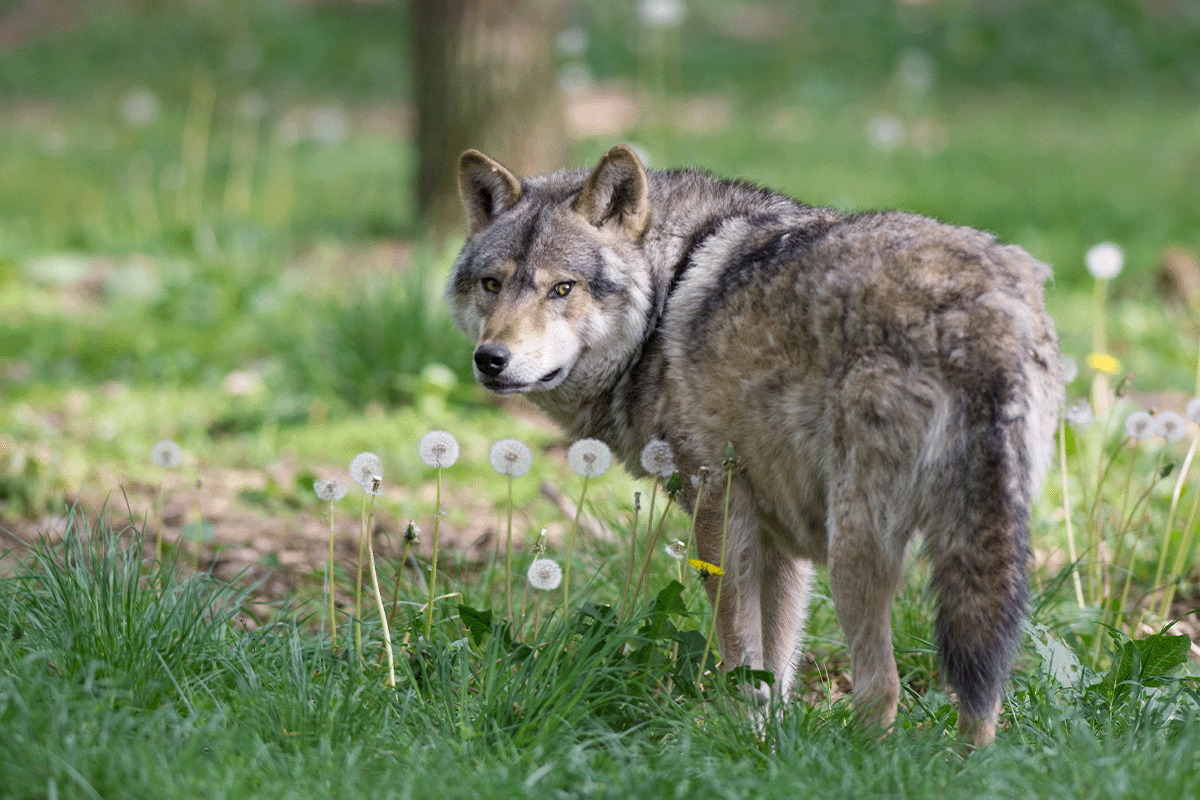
[690, 658]
[745, 674]
[479, 623]
[1146, 662]
[670, 600]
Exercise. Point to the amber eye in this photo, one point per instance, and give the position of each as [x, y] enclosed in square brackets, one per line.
[562, 289]
[490, 285]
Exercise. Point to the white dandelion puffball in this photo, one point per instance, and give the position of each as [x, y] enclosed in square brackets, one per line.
[1193, 410]
[366, 470]
[438, 449]
[658, 459]
[331, 490]
[1079, 415]
[677, 549]
[510, 457]
[1139, 425]
[662, 13]
[1170, 425]
[166, 454]
[140, 107]
[545, 574]
[589, 458]
[1105, 260]
[1070, 369]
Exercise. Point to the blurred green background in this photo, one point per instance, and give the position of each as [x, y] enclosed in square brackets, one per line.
[220, 220]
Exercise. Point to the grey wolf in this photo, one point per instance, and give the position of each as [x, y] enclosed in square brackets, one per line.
[878, 374]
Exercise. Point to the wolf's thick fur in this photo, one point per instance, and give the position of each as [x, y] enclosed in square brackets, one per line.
[878, 375]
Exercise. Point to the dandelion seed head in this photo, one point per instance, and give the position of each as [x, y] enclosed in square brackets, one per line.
[539, 546]
[1070, 369]
[438, 449]
[413, 532]
[676, 549]
[885, 132]
[1139, 425]
[545, 574]
[1193, 410]
[510, 457]
[330, 490]
[1079, 414]
[658, 459]
[364, 469]
[1105, 260]
[140, 107]
[166, 454]
[589, 458]
[1170, 425]
[662, 13]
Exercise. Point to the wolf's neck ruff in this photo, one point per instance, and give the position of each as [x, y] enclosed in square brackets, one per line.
[875, 373]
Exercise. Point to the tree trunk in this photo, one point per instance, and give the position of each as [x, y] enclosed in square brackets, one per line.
[483, 74]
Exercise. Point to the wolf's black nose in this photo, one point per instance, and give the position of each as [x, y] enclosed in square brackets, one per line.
[491, 359]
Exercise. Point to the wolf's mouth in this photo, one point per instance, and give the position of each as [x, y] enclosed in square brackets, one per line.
[509, 387]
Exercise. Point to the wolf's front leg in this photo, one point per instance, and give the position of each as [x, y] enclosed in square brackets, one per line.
[738, 610]
[786, 583]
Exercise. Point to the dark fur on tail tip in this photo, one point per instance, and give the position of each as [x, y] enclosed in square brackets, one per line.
[977, 642]
[983, 588]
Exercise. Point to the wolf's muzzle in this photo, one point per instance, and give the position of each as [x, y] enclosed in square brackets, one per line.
[491, 359]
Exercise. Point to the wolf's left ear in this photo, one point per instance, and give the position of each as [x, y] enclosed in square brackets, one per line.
[487, 187]
[617, 190]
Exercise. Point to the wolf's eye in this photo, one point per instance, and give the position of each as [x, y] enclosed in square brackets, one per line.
[490, 285]
[562, 289]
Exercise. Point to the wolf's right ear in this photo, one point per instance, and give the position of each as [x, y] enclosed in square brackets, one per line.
[617, 190]
[487, 187]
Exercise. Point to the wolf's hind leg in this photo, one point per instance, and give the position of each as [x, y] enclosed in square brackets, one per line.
[862, 581]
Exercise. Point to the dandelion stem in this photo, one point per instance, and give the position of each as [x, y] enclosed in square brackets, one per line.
[520, 627]
[1071, 552]
[159, 549]
[437, 518]
[637, 587]
[508, 553]
[637, 506]
[1169, 591]
[537, 611]
[570, 554]
[1185, 546]
[1095, 531]
[387, 635]
[399, 574]
[712, 627]
[654, 537]
[1102, 566]
[695, 510]
[362, 543]
[1101, 393]
[329, 581]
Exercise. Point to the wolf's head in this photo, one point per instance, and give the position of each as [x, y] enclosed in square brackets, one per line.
[552, 283]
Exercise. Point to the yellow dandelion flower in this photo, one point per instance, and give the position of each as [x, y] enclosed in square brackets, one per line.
[1103, 362]
[705, 568]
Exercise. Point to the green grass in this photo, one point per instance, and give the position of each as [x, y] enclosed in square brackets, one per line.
[122, 679]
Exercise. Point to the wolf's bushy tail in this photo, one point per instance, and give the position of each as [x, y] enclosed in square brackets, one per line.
[979, 559]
